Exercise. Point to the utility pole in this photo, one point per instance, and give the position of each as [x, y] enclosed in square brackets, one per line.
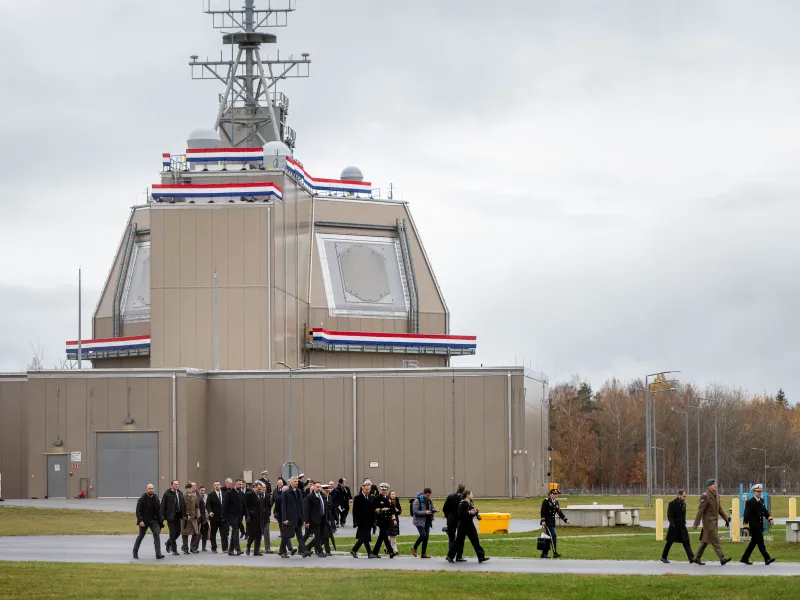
[697, 407]
[660, 384]
[80, 341]
[764, 450]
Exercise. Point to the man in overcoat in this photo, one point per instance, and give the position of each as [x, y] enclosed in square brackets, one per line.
[233, 508]
[257, 503]
[172, 511]
[755, 511]
[677, 532]
[148, 516]
[190, 524]
[364, 517]
[708, 512]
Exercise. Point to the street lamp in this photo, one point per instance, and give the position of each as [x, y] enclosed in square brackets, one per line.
[698, 408]
[716, 445]
[765, 463]
[291, 370]
[647, 425]
[663, 466]
[686, 415]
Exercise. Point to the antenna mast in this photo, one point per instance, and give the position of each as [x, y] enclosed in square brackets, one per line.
[251, 110]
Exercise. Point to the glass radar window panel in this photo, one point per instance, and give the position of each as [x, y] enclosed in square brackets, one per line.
[363, 276]
[136, 297]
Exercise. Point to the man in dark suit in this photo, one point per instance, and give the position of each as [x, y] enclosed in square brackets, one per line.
[364, 517]
[173, 509]
[203, 520]
[450, 510]
[233, 507]
[148, 516]
[755, 511]
[292, 516]
[677, 532]
[257, 504]
[214, 508]
[315, 515]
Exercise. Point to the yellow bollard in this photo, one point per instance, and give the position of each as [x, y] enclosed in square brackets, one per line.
[792, 509]
[735, 524]
[659, 519]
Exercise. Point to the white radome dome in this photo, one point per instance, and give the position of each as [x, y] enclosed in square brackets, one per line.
[352, 173]
[203, 137]
[275, 154]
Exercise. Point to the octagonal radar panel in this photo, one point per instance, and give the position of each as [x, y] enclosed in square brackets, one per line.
[275, 154]
[203, 137]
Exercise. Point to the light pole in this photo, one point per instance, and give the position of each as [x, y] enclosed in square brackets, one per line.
[291, 370]
[663, 466]
[649, 458]
[716, 445]
[686, 415]
[765, 464]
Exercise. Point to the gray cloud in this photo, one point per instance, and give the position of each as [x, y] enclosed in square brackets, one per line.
[604, 188]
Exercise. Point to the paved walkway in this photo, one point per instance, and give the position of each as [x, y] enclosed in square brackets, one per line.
[117, 549]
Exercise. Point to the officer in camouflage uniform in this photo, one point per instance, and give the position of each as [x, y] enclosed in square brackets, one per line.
[710, 509]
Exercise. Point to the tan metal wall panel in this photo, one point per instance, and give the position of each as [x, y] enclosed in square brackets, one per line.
[234, 427]
[437, 418]
[495, 435]
[203, 250]
[215, 431]
[337, 417]
[157, 325]
[130, 362]
[171, 243]
[159, 411]
[13, 438]
[187, 339]
[187, 220]
[278, 250]
[103, 327]
[459, 414]
[370, 429]
[204, 328]
[254, 332]
[311, 439]
[156, 250]
[236, 327]
[115, 402]
[192, 396]
[254, 442]
[394, 392]
[413, 448]
[274, 428]
[172, 328]
[219, 245]
[35, 391]
[130, 329]
[278, 322]
[291, 331]
[236, 247]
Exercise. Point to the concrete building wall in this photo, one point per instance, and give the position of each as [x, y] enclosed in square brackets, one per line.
[13, 436]
[369, 360]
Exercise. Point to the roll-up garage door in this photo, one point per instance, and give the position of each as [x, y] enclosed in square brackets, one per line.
[126, 463]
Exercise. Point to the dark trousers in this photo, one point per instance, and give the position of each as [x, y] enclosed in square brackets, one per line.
[255, 537]
[287, 542]
[451, 538]
[194, 543]
[316, 531]
[204, 528]
[223, 535]
[551, 530]
[325, 536]
[756, 539]
[155, 528]
[358, 545]
[383, 539]
[174, 533]
[343, 516]
[686, 546]
[234, 545]
[463, 533]
[423, 538]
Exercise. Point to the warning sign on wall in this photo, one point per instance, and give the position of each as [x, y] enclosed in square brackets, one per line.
[56, 467]
[75, 456]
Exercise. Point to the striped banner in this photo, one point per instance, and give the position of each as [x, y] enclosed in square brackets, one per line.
[394, 339]
[317, 185]
[216, 155]
[259, 189]
[88, 347]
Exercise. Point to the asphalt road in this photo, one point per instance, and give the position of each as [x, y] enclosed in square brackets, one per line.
[117, 549]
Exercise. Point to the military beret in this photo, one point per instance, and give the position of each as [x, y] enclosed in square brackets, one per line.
[711, 481]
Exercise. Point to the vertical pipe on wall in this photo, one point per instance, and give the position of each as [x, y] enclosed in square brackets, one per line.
[80, 341]
[174, 426]
[310, 260]
[355, 430]
[216, 322]
[510, 453]
[269, 288]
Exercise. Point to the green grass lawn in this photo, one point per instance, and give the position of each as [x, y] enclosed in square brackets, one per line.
[528, 508]
[38, 581]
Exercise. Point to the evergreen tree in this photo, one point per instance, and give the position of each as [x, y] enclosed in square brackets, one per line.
[780, 398]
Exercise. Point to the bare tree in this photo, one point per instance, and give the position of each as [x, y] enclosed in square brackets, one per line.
[38, 356]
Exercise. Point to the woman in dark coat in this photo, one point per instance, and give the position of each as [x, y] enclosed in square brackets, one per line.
[394, 527]
[677, 532]
[466, 529]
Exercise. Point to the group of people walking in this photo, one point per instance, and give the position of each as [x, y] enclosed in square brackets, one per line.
[708, 513]
[304, 510]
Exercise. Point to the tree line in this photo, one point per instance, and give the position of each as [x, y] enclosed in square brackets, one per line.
[598, 438]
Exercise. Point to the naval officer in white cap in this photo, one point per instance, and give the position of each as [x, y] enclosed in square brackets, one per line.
[755, 512]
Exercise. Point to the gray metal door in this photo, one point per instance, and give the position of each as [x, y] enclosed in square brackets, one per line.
[57, 476]
[126, 463]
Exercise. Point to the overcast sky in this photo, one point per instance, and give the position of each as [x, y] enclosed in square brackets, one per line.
[604, 188]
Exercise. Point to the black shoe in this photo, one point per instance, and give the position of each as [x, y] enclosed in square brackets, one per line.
[247, 551]
[175, 553]
[664, 560]
[353, 554]
[697, 561]
[544, 556]
[257, 554]
[214, 550]
[448, 559]
[136, 556]
[195, 551]
[745, 562]
[373, 555]
[204, 550]
[322, 555]
[725, 561]
[294, 551]
[483, 560]
[461, 559]
[186, 552]
[556, 555]
[769, 561]
[307, 553]
[283, 555]
[159, 556]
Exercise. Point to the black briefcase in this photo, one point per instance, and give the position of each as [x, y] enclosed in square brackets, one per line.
[543, 544]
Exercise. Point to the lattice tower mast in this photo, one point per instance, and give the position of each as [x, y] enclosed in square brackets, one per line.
[251, 110]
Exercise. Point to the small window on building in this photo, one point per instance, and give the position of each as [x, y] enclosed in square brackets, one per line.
[363, 276]
[136, 295]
